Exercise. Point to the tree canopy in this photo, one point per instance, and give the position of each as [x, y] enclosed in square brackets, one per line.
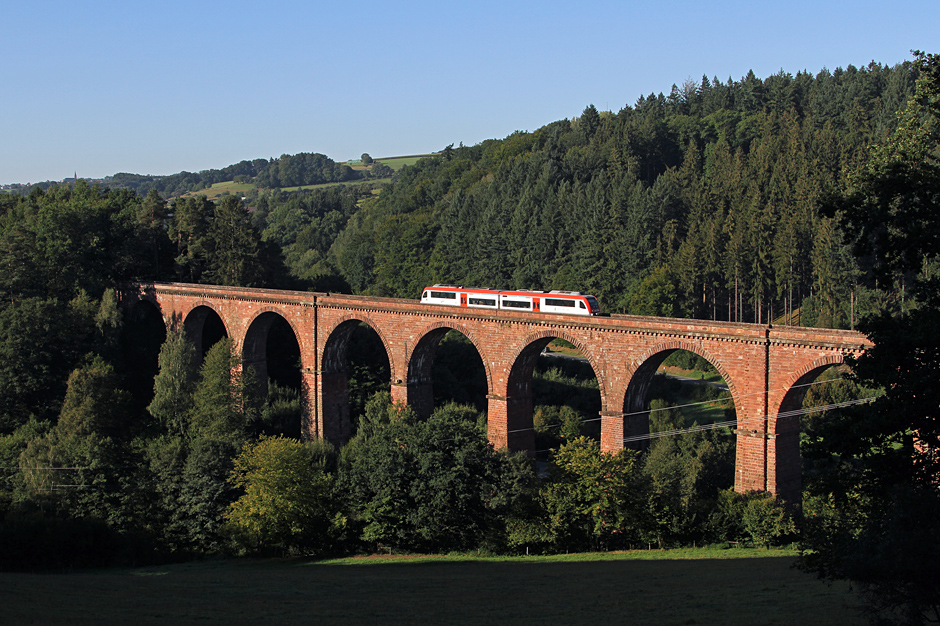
[873, 506]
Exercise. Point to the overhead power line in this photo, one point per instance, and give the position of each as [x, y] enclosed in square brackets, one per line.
[694, 404]
[732, 423]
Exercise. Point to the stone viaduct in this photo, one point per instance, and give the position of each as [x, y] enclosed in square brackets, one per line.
[764, 366]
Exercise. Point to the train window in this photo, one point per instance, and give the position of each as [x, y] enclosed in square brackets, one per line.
[582, 305]
[483, 301]
[557, 302]
[516, 304]
[450, 295]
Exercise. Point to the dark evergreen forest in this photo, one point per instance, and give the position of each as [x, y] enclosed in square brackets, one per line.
[701, 203]
[751, 200]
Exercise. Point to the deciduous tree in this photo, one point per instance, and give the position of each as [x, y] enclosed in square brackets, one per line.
[594, 498]
[287, 502]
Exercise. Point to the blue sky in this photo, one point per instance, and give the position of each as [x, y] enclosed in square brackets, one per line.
[159, 87]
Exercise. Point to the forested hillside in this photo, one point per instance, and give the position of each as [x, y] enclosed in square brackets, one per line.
[702, 203]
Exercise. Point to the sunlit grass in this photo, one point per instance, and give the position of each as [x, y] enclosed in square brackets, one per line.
[218, 190]
[731, 586]
[397, 162]
[651, 554]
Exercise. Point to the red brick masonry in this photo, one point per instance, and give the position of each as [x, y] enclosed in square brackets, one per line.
[763, 365]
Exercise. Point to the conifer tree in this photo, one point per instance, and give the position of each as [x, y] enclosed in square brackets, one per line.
[174, 384]
[221, 401]
[236, 248]
[84, 465]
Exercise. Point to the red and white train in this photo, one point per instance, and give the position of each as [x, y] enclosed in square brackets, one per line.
[565, 302]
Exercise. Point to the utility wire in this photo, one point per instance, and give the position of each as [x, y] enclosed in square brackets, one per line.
[785, 414]
[684, 406]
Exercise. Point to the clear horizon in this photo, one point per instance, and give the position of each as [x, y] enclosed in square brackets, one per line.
[104, 87]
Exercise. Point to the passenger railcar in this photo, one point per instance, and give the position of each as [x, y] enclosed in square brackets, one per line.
[563, 302]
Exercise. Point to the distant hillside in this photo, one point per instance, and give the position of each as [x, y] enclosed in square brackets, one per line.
[287, 171]
[707, 202]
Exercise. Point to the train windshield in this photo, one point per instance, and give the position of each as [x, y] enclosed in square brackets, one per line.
[592, 301]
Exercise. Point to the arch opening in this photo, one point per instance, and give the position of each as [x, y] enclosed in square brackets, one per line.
[355, 366]
[446, 367]
[553, 395]
[808, 404]
[272, 352]
[676, 390]
[141, 339]
[566, 396]
[691, 383]
[204, 328]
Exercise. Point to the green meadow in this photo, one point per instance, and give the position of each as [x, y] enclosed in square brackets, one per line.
[397, 162]
[218, 190]
[737, 586]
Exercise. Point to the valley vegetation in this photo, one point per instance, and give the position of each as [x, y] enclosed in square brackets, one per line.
[791, 199]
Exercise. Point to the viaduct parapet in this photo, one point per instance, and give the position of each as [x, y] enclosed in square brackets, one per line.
[765, 367]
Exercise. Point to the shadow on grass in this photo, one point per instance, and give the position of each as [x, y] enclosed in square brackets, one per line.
[620, 588]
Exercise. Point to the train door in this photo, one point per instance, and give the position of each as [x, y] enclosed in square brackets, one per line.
[463, 299]
[535, 305]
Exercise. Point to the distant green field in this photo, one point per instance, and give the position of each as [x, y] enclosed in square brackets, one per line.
[339, 184]
[685, 587]
[396, 163]
[218, 190]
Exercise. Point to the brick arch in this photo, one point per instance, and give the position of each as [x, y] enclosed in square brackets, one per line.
[541, 336]
[643, 367]
[145, 332]
[349, 317]
[254, 343]
[137, 312]
[469, 334]
[276, 311]
[195, 334]
[131, 302]
[514, 430]
[792, 394]
[204, 304]
[283, 315]
[334, 413]
[785, 445]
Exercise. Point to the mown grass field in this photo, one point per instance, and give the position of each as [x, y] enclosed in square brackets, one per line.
[217, 190]
[675, 587]
[397, 162]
